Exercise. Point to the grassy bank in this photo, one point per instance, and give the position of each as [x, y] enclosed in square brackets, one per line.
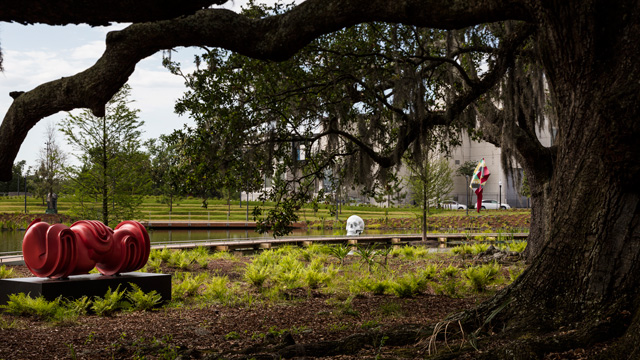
[218, 210]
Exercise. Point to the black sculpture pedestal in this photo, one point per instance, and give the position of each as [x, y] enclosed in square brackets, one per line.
[91, 285]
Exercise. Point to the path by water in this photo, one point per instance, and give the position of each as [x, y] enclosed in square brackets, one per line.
[11, 241]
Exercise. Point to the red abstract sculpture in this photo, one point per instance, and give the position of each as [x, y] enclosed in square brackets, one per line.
[57, 251]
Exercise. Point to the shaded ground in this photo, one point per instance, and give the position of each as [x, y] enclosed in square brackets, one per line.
[248, 329]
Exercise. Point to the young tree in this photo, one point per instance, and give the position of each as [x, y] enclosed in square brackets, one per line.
[572, 57]
[49, 173]
[113, 171]
[164, 172]
[430, 180]
[466, 170]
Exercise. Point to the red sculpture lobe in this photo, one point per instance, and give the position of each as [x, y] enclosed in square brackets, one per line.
[57, 251]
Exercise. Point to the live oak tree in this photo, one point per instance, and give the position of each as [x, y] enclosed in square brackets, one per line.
[113, 170]
[575, 59]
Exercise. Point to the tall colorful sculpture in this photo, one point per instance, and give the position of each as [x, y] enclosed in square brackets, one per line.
[58, 251]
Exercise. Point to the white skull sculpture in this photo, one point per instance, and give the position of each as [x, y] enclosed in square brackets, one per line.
[355, 225]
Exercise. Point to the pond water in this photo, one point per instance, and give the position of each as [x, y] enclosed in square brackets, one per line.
[12, 240]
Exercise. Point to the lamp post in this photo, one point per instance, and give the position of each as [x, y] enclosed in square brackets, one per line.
[467, 177]
[500, 194]
[25, 190]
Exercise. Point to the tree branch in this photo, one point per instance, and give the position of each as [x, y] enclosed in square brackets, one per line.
[276, 38]
[64, 12]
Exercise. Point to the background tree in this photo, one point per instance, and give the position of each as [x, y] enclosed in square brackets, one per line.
[430, 180]
[466, 170]
[50, 170]
[113, 170]
[164, 173]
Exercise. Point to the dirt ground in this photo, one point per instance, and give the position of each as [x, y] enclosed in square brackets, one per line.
[215, 331]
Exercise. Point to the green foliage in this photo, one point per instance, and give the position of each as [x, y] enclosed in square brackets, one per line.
[377, 286]
[448, 282]
[5, 324]
[431, 177]
[408, 285]
[469, 250]
[344, 307]
[370, 324]
[217, 289]
[40, 308]
[112, 179]
[80, 306]
[232, 336]
[517, 246]
[5, 272]
[314, 278]
[257, 274]
[479, 277]
[186, 285]
[110, 303]
[515, 273]
[340, 252]
[367, 255]
[142, 301]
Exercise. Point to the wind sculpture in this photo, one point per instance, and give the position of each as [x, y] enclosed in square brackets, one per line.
[480, 177]
[57, 251]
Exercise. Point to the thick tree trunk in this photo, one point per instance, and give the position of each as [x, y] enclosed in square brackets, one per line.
[585, 270]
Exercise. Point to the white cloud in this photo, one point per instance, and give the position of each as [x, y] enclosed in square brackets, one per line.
[36, 54]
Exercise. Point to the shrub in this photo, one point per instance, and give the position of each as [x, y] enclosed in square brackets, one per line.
[79, 306]
[406, 286]
[186, 285]
[257, 274]
[216, 289]
[479, 277]
[5, 272]
[24, 305]
[340, 252]
[110, 303]
[142, 301]
[314, 278]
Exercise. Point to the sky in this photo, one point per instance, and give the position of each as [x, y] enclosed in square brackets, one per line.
[35, 54]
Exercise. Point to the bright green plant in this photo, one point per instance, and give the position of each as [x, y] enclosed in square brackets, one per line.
[142, 301]
[217, 289]
[5, 272]
[232, 335]
[370, 324]
[289, 277]
[479, 277]
[79, 306]
[110, 303]
[314, 278]
[406, 286]
[340, 252]
[378, 286]
[186, 285]
[448, 282]
[5, 324]
[39, 307]
[152, 265]
[367, 256]
[257, 274]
